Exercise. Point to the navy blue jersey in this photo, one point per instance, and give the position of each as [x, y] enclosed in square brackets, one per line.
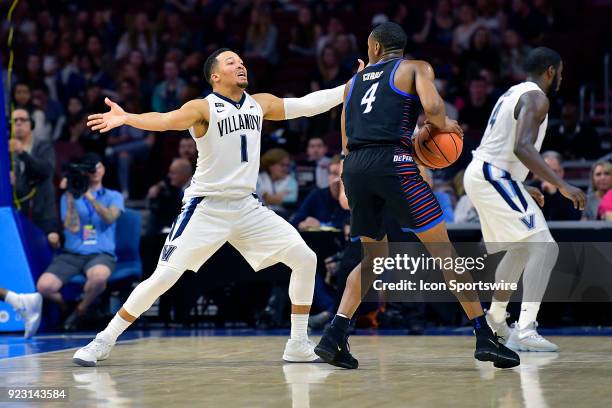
[378, 113]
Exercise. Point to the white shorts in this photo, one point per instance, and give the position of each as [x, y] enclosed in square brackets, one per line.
[205, 224]
[507, 212]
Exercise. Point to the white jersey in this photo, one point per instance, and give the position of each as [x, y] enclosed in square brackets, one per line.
[497, 145]
[228, 154]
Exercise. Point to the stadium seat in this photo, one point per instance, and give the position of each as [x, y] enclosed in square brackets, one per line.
[127, 236]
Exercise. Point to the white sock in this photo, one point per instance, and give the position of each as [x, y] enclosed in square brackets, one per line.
[498, 310]
[114, 329]
[299, 326]
[14, 300]
[529, 314]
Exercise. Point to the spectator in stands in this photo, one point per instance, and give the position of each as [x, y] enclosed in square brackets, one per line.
[556, 207]
[89, 227]
[22, 98]
[464, 30]
[442, 25]
[313, 172]
[601, 183]
[68, 78]
[126, 145]
[490, 16]
[167, 94]
[451, 110]
[415, 24]
[605, 207]
[329, 74]
[32, 176]
[513, 54]
[164, 198]
[54, 113]
[572, 138]
[33, 72]
[93, 73]
[98, 55]
[321, 207]
[261, 38]
[276, 187]
[173, 33]
[480, 54]
[475, 114]
[347, 53]
[141, 36]
[529, 23]
[464, 210]
[333, 30]
[188, 150]
[305, 34]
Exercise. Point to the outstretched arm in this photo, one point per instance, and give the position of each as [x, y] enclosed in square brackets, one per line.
[191, 113]
[314, 103]
[275, 108]
[530, 111]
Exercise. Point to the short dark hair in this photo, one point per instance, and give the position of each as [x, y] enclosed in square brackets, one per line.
[539, 59]
[391, 36]
[211, 63]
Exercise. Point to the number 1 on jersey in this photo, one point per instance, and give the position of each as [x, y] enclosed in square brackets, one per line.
[369, 98]
[243, 148]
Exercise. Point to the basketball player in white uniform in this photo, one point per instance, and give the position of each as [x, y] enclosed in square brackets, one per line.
[509, 216]
[219, 206]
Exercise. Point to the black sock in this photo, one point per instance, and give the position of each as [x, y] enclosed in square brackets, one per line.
[341, 322]
[480, 324]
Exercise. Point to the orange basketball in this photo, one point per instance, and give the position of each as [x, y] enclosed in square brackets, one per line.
[437, 150]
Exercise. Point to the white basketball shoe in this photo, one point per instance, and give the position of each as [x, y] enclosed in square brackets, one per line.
[501, 328]
[300, 351]
[528, 339]
[97, 350]
[30, 312]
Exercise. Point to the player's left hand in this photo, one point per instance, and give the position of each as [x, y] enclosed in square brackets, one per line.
[536, 194]
[361, 64]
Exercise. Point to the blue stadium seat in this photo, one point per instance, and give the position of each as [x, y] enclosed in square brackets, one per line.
[127, 237]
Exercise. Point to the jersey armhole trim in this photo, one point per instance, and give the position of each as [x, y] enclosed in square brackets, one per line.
[348, 97]
[392, 83]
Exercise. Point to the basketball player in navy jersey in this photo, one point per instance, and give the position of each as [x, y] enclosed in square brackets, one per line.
[381, 107]
[219, 205]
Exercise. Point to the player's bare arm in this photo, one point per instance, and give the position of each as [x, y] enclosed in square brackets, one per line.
[193, 113]
[530, 112]
[432, 102]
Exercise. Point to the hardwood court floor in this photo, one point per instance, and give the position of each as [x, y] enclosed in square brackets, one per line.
[396, 371]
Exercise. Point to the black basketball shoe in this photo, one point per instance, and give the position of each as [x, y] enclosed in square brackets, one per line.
[488, 348]
[333, 348]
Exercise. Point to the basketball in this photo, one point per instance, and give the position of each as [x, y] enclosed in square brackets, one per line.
[437, 150]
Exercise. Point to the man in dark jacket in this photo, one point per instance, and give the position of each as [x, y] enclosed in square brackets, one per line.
[33, 165]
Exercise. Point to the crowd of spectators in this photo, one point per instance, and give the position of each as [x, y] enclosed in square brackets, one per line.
[69, 56]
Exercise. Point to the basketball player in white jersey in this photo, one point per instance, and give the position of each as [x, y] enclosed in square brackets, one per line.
[219, 206]
[509, 216]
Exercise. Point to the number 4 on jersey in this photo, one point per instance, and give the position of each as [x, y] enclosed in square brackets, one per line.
[369, 98]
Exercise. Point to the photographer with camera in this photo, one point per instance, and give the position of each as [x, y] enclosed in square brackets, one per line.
[33, 164]
[89, 213]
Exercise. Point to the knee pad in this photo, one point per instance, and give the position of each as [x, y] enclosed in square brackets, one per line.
[303, 263]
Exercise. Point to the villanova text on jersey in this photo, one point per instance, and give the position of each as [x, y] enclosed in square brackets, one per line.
[237, 122]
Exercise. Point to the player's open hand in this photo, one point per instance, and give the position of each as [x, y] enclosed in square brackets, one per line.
[361, 64]
[104, 122]
[536, 194]
[575, 195]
